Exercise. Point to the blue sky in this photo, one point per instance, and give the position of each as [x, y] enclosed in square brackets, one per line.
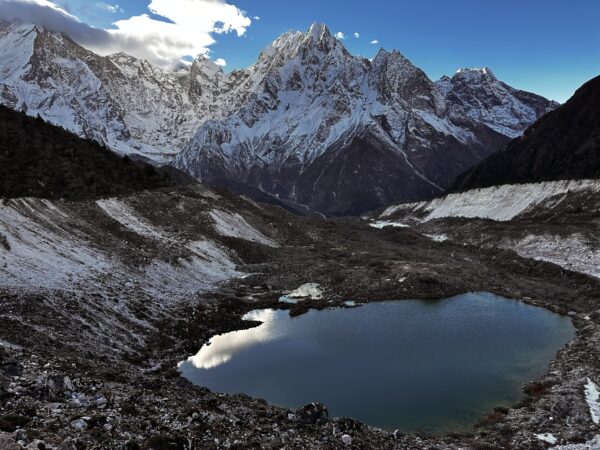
[549, 47]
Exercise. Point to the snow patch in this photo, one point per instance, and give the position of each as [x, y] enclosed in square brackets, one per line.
[387, 223]
[308, 290]
[499, 203]
[437, 237]
[234, 225]
[592, 397]
[547, 437]
[209, 264]
[126, 216]
[593, 444]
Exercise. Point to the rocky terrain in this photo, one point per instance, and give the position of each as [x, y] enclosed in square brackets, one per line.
[102, 298]
[112, 272]
[308, 122]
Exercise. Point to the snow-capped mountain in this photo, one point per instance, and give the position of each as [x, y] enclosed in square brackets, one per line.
[126, 103]
[343, 134]
[308, 122]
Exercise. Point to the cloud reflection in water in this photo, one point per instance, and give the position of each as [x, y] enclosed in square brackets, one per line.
[220, 349]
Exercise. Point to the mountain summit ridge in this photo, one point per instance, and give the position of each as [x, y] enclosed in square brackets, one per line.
[308, 122]
[343, 134]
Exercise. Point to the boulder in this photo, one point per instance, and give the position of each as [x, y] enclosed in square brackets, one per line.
[313, 414]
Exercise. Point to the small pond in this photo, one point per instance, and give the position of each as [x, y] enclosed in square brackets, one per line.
[431, 365]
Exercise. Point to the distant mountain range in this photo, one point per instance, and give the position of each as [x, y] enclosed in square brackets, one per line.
[308, 123]
[562, 145]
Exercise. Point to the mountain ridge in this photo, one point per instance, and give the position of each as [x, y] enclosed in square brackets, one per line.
[562, 145]
[312, 100]
[280, 124]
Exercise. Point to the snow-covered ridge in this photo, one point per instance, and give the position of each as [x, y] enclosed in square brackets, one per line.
[500, 203]
[305, 96]
[125, 103]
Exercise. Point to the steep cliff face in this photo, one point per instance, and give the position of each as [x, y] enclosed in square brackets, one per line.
[309, 122]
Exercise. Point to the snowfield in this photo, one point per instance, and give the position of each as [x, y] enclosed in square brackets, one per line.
[500, 203]
[40, 255]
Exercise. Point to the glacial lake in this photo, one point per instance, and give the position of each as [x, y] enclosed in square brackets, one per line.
[430, 365]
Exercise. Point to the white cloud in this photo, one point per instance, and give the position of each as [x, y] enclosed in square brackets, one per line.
[339, 35]
[220, 62]
[189, 31]
[374, 41]
[110, 8]
[257, 18]
[356, 35]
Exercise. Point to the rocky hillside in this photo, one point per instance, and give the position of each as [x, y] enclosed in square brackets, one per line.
[101, 299]
[308, 122]
[42, 160]
[562, 145]
[551, 221]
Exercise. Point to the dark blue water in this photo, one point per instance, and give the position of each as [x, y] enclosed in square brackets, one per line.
[435, 366]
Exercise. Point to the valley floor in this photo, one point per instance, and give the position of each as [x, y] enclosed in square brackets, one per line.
[101, 300]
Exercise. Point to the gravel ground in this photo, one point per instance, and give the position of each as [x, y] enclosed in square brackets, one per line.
[91, 363]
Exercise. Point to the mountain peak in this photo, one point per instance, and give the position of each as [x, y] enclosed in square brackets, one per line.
[394, 55]
[307, 107]
[318, 31]
[319, 36]
[206, 66]
[475, 74]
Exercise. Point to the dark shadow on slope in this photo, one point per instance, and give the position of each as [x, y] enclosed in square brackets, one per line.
[41, 160]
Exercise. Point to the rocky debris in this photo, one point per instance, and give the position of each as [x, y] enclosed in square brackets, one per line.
[313, 414]
[11, 368]
[7, 442]
[119, 377]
